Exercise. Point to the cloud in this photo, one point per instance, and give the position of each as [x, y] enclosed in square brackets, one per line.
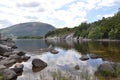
[31, 17]
[3, 23]
[31, 4]
[60, 13]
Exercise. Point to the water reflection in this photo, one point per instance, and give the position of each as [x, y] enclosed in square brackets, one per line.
[103, 49]
[31, 44]
[62, 65]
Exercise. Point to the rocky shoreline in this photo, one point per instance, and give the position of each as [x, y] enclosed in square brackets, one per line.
[71, 37]
[9, 55]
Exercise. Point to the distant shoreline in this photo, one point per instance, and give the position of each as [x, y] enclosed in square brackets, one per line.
[107, 40]
[84, 39]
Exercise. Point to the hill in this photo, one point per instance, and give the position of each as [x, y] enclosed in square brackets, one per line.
[106, 28]
[28, 29]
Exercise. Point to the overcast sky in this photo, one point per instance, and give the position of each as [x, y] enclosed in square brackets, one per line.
[59, 13]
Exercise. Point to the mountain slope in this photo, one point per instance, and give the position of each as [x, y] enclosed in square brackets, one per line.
[28, 29]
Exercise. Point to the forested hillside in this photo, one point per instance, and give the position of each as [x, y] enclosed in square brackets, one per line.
[106, 28]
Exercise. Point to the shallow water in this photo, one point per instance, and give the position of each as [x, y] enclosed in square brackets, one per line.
[61, 66]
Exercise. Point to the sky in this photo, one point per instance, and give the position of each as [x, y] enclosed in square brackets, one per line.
[59, 13]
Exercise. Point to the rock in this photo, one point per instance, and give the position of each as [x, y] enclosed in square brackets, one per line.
[84, 57]
[2, 67]
[9, 42]
[14, 56]
[9, 74]
[7, 54]
[18, 68]
[77, 67]
[37, 63]
[50, 47]
[10, 62]
[93, 56]
[54, 51]
[1, 57]
[107, 69]
[4, 48]
[21, 53]
[14, 47]
[15, 51]
[44, 50]
[25, 58]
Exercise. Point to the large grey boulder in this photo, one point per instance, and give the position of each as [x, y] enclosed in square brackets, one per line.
[9, 74]
[37, 63]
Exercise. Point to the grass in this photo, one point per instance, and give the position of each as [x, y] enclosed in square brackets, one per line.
[1, 77]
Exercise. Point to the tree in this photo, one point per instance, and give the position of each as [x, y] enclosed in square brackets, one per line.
[95, 33]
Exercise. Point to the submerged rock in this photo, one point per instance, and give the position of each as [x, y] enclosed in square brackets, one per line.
[37, 63]
[49, 49]
[93, 56]
[54, 51]
[84, 57]
[77, 67]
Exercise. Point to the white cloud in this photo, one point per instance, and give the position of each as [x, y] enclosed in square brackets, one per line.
[70, 12]
[99, 17]
[108, 15]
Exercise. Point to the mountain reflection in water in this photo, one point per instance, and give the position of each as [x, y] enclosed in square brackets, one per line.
[62, 65]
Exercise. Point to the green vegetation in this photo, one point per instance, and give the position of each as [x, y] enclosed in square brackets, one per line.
[109, 73]
[30, 37]
[106, 28]
[2, 77]
[60, 32]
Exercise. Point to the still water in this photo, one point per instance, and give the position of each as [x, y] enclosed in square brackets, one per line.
[61, 66]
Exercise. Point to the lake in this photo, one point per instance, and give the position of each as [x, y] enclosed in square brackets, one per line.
[62, 66]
